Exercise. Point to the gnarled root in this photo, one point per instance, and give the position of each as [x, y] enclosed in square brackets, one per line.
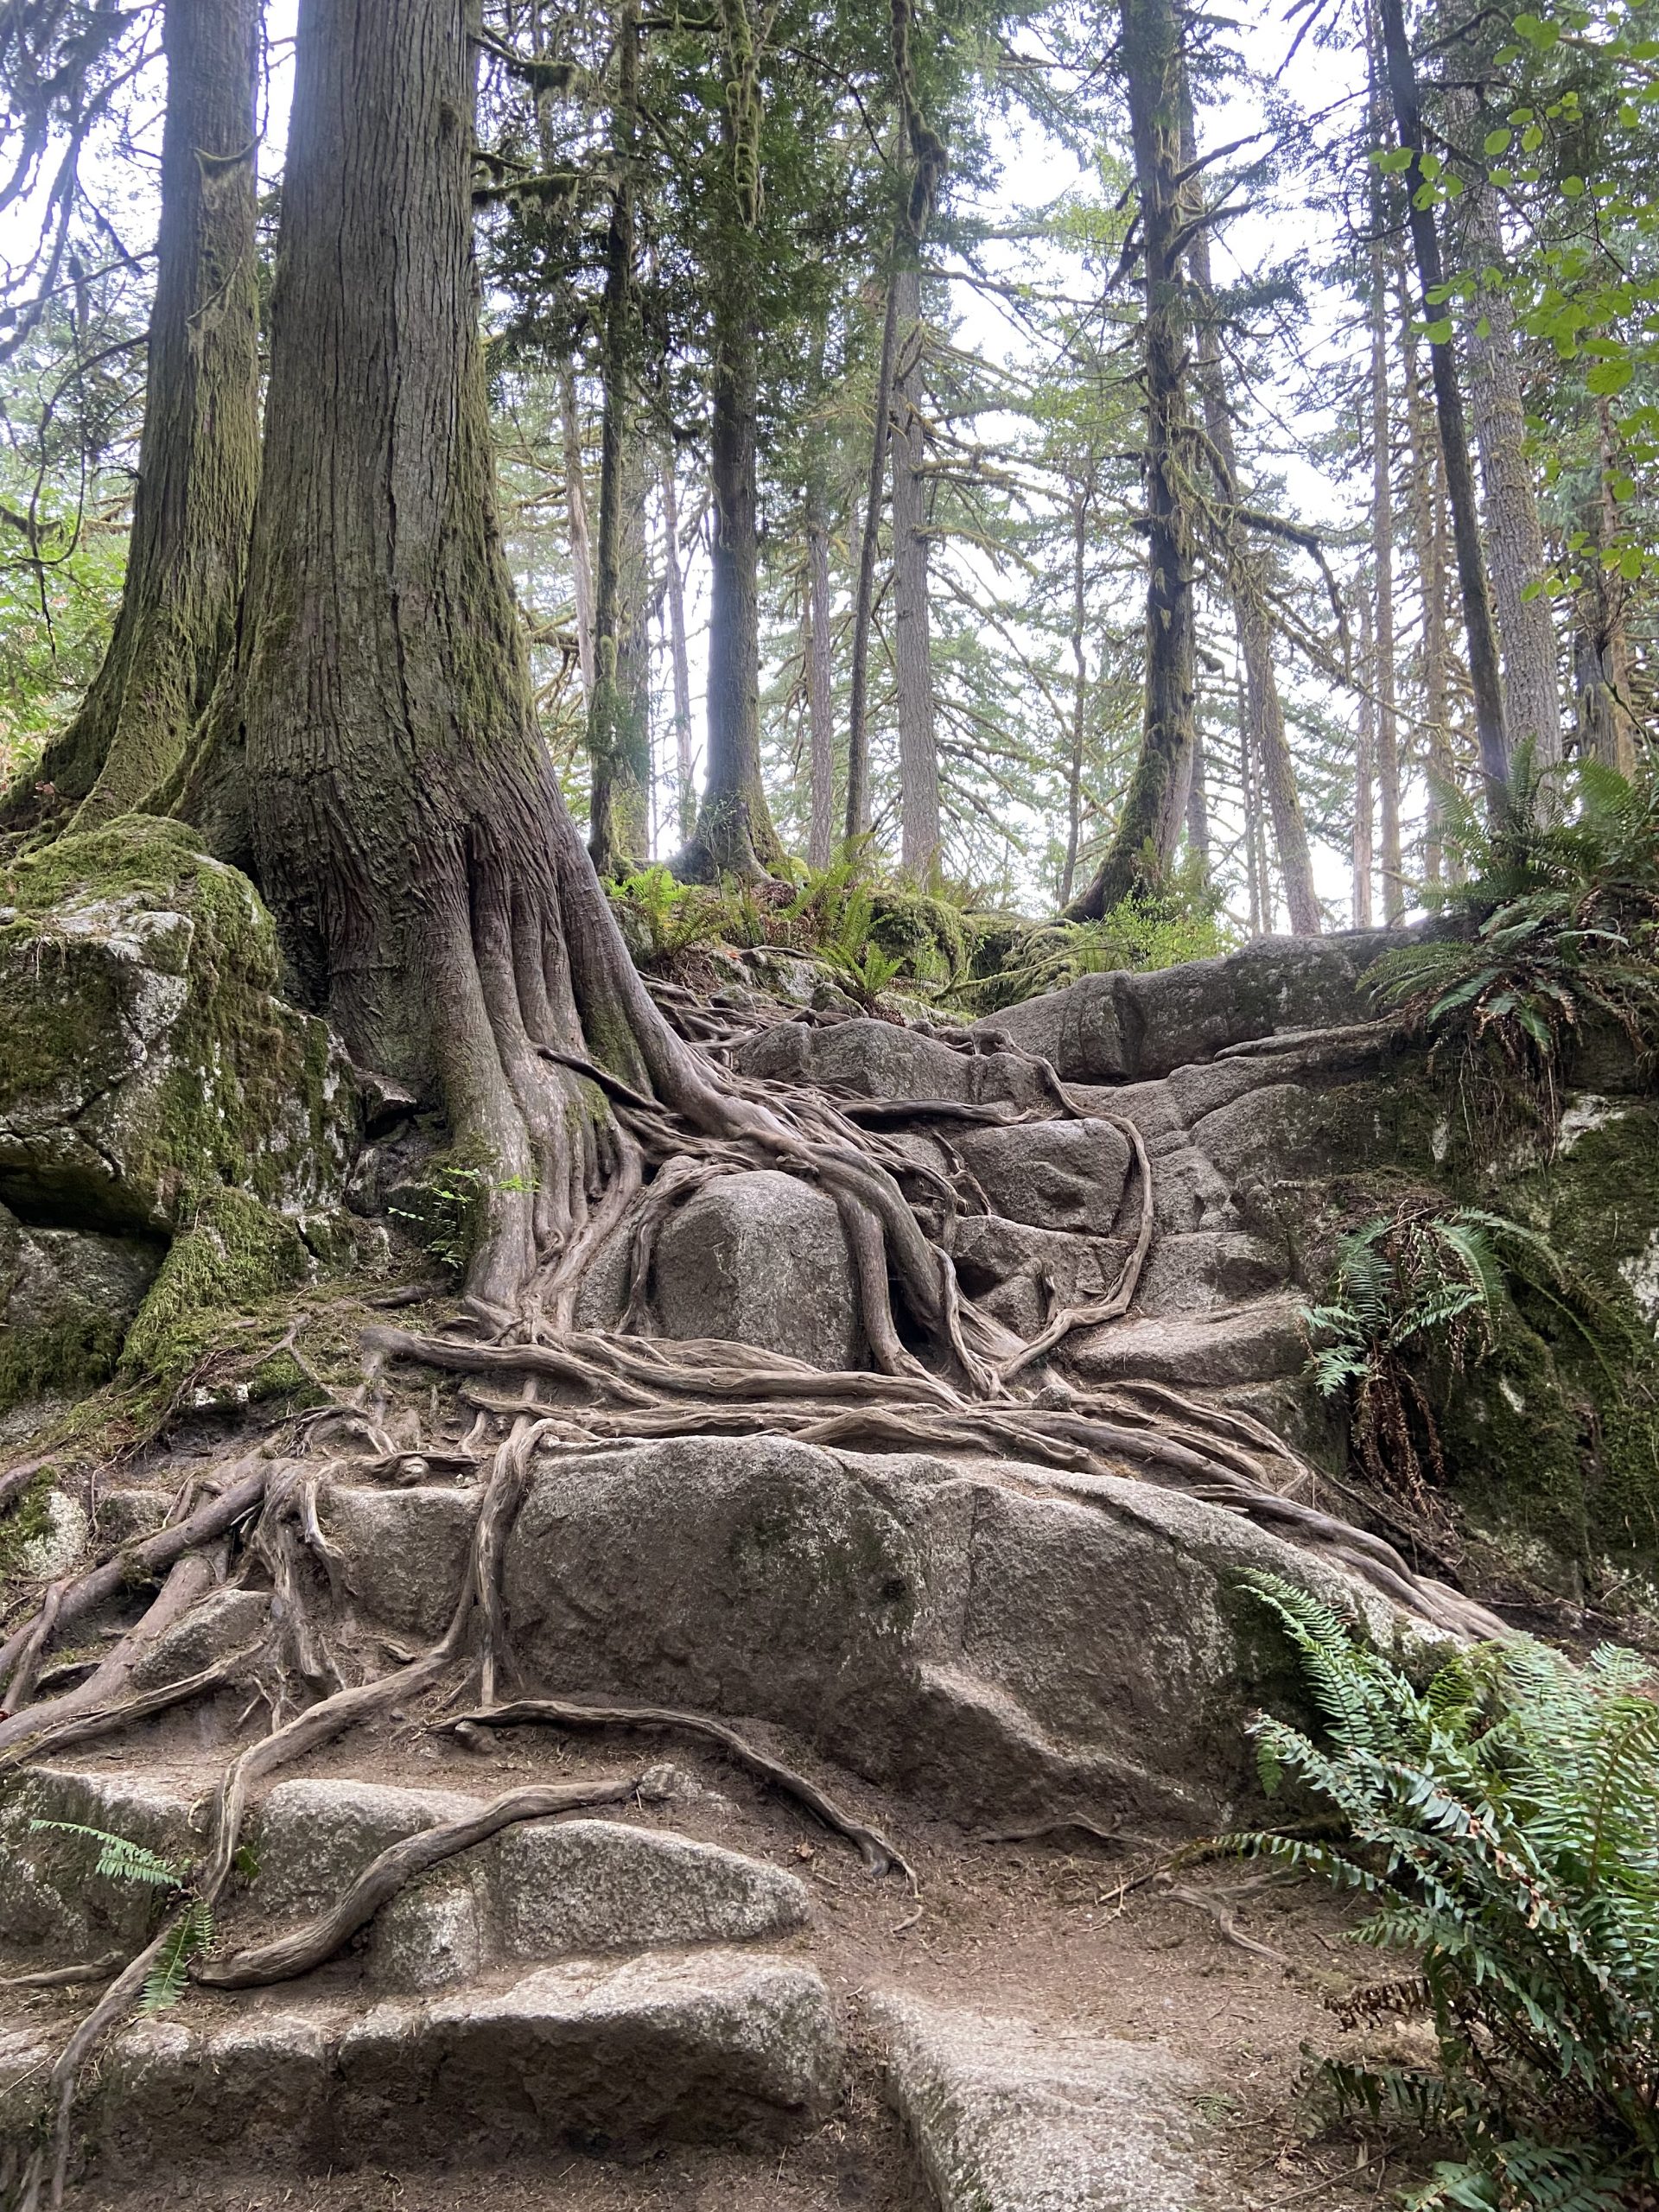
[878, 1854]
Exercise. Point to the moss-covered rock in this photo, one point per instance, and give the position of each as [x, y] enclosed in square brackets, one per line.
[232, 1257]
[66, 1297]
[148, 1057]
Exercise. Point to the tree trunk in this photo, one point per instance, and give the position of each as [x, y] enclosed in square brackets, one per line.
[1514, 536]
[735, 834]
[1448, 405]
[199, 456]
[1364, 842]
[820, 687]
[1247, 583]
[619, 741]
[1079, 692]
[1388, 729]
[918, 760]
[678, 653]
[1602, 655]
[581, 543]
[1149, 824]
[1427, 543]
[1198, 811]
[858, 733]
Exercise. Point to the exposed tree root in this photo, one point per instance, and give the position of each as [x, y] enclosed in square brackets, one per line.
[39, 1741]
[67, 1977]
[304, 1947]
[878, 1854]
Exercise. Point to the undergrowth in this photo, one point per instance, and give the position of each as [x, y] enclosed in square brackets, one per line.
[134, 1865]
[1503, 1824]
[1561, 893]
[1157, 926]
[1423, 1281]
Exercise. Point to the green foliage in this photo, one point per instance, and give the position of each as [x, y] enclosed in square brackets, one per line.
[1503, 1824]
[1153, 928]
[121, 1860]
[1565, 903]
[448, 1208]
[1418, 1282]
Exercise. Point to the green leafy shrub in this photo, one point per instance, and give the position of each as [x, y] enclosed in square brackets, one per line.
[1504, 1822]
[1423, 1279]
[1565, 902]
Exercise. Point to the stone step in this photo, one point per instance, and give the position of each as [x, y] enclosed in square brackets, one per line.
[540, 1891]
[1014, 2116]
[600, 2053]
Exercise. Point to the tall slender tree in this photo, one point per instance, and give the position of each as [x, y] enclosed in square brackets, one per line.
[199, 456]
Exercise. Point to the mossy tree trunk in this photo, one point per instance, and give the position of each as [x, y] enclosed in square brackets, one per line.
[912, 651]
[734, 834]
[618, 740]
[198, 455]
[1153, 809]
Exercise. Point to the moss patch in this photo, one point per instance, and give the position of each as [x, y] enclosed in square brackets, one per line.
[149, 1055]
[235, 1255]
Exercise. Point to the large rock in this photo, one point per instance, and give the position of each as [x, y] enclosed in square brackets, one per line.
[1126, 1025]
[592, 2053]
[993, 1638]
[762, 1258]
[531, 1893]
[54, 1902]
[146, 1057]
[1065, 1175]
[878, 1060]
[67, 1296]
[1009, 2115]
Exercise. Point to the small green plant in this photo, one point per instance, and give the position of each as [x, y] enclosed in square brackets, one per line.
[1503, 1823]
[1563, 894]
[1423, 1279]
[120, 1859]
[448, 1210]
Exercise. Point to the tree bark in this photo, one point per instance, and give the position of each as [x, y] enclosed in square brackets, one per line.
[734, 834]
[1448, 405]
[678, 653]
[582, 542]
[619, 741]
[820, 691]
[858, 733]
[1364, 851]
[1388, 729]
[1428, 542]
[1149, 825]
[1602, 652]
[1079, 692]
[1247, 583]
[198, 455]
[918, 760]
[1514, 535]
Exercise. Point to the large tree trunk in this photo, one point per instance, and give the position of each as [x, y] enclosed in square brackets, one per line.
[918, 760]
[1515, 537]
[1362, 852]
[678, 653]
[619, 741]
[1387, 728]
[199, 456]
[1079, 692]
[820, 687]
[1428, 540]
[858, 715]
[1448, 407]
[581, 542]
[1247, 581]
[734, 834]
[1150, 821]
[1602, 648]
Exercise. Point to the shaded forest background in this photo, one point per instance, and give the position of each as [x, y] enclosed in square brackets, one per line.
[847, 364]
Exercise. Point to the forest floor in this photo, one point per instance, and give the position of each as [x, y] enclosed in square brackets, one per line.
[1044, 1929]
